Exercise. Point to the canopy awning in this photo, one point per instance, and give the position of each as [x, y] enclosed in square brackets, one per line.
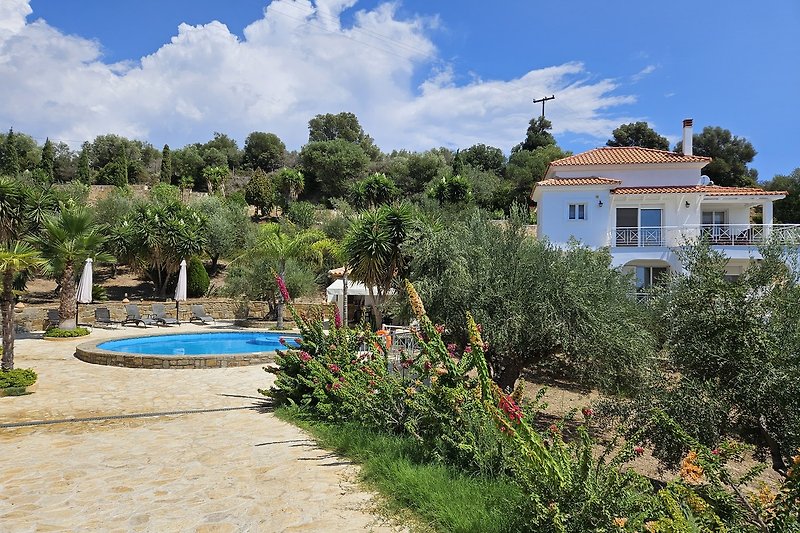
[354, 288]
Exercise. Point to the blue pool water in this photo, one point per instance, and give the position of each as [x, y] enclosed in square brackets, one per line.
[201, 343]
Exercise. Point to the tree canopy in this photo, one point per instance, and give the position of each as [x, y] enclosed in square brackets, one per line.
[638, 134]
[731, 155]
[537, 136]
[344, 126]
[265, 151]
[787, 211]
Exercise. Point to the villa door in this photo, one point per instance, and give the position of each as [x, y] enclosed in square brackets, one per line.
[715, 227]
[638, 227]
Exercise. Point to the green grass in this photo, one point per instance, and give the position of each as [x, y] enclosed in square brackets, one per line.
[439, 496]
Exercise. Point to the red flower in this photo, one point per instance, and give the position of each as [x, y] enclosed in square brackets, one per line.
[337, 386]
[428, 366]
[305, 357]
[334, 368]
[715, 451]
[337, 318]
[511, 409]
[439, 328]
[282, 288]
[587, 412]
[638, 450]
[553, 429]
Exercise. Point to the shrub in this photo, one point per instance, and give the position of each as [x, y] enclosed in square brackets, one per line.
[99, 293]
[302, 214]
[443, 398]
[197, 280]
[18, 377]
[59, 333]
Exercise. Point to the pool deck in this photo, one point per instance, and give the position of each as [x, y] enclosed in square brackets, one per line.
[166, 450]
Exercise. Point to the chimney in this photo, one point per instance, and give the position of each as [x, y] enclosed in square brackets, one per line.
[687, 136]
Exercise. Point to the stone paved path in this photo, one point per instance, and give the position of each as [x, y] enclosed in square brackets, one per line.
[235, 470]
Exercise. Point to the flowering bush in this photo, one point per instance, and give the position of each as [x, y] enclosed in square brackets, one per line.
[445, 399]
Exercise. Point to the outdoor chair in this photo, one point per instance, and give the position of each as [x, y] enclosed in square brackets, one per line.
[199, 314]
[102, 317]
[160, 315]
[53, 320]
[134, 316]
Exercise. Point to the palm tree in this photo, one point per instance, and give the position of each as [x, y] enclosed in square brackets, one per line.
[276, 245]
[17, 257]
[374, 248]
[68, 239]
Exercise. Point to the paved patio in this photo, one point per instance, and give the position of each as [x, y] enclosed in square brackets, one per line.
[226, 465]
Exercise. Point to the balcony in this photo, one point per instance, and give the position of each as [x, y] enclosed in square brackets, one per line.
[717, 235]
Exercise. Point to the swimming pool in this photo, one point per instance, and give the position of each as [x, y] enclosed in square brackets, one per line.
[188, 350]
[201, 343]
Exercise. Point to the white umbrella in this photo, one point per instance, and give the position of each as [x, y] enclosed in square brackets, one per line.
[180, 290]
[84, 295]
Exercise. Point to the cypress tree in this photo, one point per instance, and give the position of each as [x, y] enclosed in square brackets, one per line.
[10, 160]
[48, 159]
[84, 174]
[166, 165]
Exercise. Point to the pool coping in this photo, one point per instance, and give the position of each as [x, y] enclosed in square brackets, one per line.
[89, 352]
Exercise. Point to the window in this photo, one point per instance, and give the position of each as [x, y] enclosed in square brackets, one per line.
[577, 211]
[647, 276]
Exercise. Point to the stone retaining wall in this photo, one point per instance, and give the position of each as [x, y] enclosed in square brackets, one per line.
[90, 353]
[34, 317]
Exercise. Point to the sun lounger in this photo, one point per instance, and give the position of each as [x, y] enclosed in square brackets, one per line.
[199, 314]
[102, 317]
[160, 315]
[134, 316]
[53, 320]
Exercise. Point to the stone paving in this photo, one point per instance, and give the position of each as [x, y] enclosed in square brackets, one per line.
[233, 470]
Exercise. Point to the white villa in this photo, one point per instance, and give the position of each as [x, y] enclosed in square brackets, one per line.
[644, 204]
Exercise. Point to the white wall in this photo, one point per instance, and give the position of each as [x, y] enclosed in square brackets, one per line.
[552, 215]
[636, 175]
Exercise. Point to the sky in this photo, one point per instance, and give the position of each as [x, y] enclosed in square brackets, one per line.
[418, 74]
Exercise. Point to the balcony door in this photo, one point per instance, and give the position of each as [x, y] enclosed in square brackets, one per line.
[638, 227]
[715, 226]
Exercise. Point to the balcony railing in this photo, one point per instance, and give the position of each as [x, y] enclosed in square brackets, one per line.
[716, 234]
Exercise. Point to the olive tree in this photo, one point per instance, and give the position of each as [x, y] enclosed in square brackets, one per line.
[541, 306]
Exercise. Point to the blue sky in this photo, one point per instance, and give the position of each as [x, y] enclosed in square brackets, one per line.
[418, 74]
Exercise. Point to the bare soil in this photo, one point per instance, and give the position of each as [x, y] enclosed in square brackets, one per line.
[565, 400]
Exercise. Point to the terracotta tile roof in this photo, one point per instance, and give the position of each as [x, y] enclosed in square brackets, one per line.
[592, 180]
[627, 155]
[710, 190]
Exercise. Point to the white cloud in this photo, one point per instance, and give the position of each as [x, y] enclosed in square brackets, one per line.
[294, 62]
[646, 71]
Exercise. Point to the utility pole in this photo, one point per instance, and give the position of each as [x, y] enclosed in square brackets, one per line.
[543, 100]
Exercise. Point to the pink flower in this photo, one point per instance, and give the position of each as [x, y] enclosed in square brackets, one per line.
[337, 386]
[715, 451]
[282, 288]
[468, 349]
[439, 328]
[334, 368]
[451, 349]
[638, 450]
[305, 357]
[337, 318]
